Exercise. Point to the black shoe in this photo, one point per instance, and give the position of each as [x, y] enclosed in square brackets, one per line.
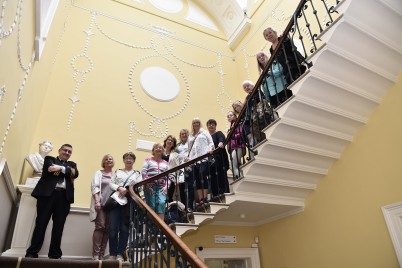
[32, 256]
[54, 258]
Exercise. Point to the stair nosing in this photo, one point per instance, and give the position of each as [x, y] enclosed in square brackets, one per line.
[281, 182]
[292, 166]
[361, 62]
[317, 129]
[385, 4]
[375, 35]
[345, 86]
[302, 148]
[333, 110]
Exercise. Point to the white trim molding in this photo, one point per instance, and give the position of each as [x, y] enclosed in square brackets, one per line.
[250, 254]
[393, 218]
[45, 11]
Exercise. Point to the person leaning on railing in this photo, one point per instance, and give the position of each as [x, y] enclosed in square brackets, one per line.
[236, 145]
[218, 170]
[119, 215]
[274, 84]
[156, 191]
[172, 157]
[288, 56]
[184, 179]
[252, 128]
[200, 143]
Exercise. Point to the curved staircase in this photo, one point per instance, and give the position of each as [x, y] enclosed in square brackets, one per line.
[359, 60]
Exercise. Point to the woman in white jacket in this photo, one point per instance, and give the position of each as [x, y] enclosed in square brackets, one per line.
[100, 193]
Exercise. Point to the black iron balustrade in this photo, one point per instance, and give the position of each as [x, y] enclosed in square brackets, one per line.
[152, 243]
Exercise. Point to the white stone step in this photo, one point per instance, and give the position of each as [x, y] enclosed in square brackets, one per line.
[375, 18]
[332, 63]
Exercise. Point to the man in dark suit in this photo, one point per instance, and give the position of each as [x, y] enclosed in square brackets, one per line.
[54, 193]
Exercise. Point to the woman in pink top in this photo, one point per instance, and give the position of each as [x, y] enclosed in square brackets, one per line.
[156, 191]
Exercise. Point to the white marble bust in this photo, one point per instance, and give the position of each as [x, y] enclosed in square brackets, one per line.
[36, 159]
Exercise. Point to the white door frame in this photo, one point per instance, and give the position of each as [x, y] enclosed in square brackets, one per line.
[231, 253]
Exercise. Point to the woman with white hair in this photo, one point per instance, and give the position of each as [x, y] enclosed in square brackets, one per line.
[251, 126]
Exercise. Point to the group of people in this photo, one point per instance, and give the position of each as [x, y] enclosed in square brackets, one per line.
[192, 185]
[287, 65]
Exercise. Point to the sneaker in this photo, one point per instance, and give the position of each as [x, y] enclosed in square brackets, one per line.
[119, 258]
[95, 258]
[112, 258]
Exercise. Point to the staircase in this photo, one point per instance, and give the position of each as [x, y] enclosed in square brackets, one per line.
[361, 57]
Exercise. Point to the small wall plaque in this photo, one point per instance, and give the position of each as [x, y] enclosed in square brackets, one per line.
[225, 239]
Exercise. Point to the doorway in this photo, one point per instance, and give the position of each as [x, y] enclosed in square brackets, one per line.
[230, 257]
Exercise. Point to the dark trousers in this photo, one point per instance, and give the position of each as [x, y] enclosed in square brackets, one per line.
[219, 181]
[118, 230]
[281, 97]
[57, 207]
[187, 191]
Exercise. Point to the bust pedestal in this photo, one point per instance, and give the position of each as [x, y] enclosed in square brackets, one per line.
[24, 224]
[77, 235]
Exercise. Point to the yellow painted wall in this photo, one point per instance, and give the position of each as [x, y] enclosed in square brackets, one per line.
[18, 129]
[343, 225]
[100, 121]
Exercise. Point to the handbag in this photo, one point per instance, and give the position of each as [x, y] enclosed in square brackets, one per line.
[114, 199]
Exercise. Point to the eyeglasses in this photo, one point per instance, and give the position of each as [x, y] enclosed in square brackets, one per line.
[67, 151]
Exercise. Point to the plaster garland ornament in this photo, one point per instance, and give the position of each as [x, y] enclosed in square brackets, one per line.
[26, 70]
[164, 49]
[108, 36]
[2, 93]
[79, 72]
[246, 63]
[19, 50]
[20, 93]
[222, 93]
[5, 33]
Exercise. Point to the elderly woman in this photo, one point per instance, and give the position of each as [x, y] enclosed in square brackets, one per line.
[200, 143]
[172, 157]
[290, 59]
[252, 128]
[274, 85]
[100, 193]
[118, 223]
[156, 191]
[219, 178]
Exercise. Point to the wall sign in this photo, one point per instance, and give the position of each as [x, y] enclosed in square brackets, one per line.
[225, 239]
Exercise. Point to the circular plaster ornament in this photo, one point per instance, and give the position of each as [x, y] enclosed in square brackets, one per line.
[159, 83]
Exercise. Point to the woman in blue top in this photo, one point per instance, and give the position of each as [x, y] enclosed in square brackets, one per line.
[275, 81]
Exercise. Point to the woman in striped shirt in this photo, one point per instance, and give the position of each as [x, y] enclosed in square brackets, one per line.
[156, 191]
